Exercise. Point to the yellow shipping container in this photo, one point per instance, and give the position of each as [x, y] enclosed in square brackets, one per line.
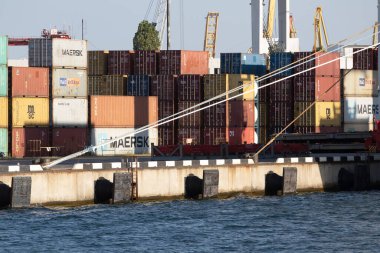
[3, 112]
[235, 80]
[30, 112]
[321, 114]
[218, 84]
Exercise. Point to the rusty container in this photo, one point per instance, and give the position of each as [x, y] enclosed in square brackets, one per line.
[214, 135]
[241, 135]
[66, 141]
[145, 62]
[29, 82]
[189, 136]
[181, 62]
[120, 62]
[189, 88]
[318, 88]
[163, 86]
[30, 142]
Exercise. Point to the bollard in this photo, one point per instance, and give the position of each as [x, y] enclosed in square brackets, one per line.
[5, 195]
[362, 177]
[193, 187]
[273, 184]
[210, 183]
[345, 180]
[102, 191]
[289, 180]
[122, 188]
[21, 191]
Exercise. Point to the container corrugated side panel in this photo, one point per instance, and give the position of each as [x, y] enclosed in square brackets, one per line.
[3, 81]
[235, 81]
[69, 83]
[30, 82]
[69, 140]
[139, 143]
[97, 62]
[3, 112]
[4, 141]
[40, 52]
[145, 63]
[120, 62]
[27, 142]
[214, 85]
[112, 111]
[321, 114]
[241, 135]
[146, 110]
[215, 116]
[189, 135]
[138, 85]
[189, 88]
[361, 110]
[30, 112]
[108, 85]
[70, 112]
[360, 83]
[241, 113]
[191, 120]
[3, 50]
[163, 86]
[69, 53]
[214, 135]
[166, 135]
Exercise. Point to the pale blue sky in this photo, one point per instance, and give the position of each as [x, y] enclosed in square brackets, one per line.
[111, 24]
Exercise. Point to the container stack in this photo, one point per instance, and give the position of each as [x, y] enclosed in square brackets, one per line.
[4, 95]
[320, 85]
[29, 88]
[189, 94]
[263, 113]
[242, 63]
[181, 62]
[360, 90]
[116, 116]
[67, 62]
[164, 87]
[281, 101]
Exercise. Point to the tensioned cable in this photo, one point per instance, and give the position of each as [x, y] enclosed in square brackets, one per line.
[93, 148]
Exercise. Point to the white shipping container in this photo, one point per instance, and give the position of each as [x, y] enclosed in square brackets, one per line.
[18, 62]
[69, 82]
[213, 64]
[361, 110]
[70, 112]
[347, 62]
[69, 53]
[360, 83]
[136, 144]
[351, 127]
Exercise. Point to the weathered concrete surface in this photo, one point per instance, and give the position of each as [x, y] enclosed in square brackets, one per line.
[122, 188]
[154, 183]
[21, 192]
[289, 180]
[210, 183]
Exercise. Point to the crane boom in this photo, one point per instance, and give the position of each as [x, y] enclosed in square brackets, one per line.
[270, 19]
[319, 25]
[210, 33]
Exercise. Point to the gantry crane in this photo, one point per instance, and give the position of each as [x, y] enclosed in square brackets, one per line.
[319, 25]
[210, 33]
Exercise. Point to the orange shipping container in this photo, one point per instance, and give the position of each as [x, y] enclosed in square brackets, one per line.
[181, 62]
[30, 82]
[123, 111]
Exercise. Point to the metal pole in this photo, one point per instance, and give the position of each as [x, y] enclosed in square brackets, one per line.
[168, 24]
[82, 28]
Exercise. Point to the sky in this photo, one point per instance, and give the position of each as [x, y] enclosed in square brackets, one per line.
[111, 24]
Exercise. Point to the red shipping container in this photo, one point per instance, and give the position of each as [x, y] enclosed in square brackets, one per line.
[145, 62]
[166, 135]
[120, 62]
[241, 135]
[281, 113]
[69, 140]
[214, 135]
[29, 82]
[314, 129]
[30, 142]
[215, 116]
[306, 61]
[282, 90]
[189, 88]
[166, 109]
[241, 113]
[365, 60]
[191, 120]
[180, 62]
[163, 86]
[190, 135]
[308, 89]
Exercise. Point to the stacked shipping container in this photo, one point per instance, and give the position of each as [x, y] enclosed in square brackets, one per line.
[241, 63]
[3, 95]
[320, 85]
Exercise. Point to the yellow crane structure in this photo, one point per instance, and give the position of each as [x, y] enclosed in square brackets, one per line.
[274, 46]
[293, 32]
[375, 36]
[210, 33]
[319, 26]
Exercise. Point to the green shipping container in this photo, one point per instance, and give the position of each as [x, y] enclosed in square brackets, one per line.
[3, 50]
[3, 81]
[4, 141]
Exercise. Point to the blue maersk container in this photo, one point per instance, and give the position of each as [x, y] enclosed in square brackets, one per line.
[138, 85]
[241, 63]
[279, 60]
